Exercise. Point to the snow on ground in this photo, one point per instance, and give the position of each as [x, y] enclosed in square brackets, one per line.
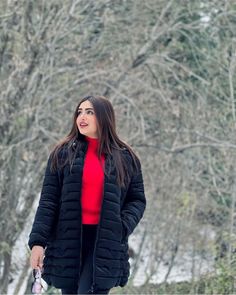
[187, 264]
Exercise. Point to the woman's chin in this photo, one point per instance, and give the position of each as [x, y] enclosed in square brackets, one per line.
[83, 132]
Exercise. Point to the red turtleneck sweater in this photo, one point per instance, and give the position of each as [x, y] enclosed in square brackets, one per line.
[92, 184]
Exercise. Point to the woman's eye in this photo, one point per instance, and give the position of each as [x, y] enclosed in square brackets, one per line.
[87, 112]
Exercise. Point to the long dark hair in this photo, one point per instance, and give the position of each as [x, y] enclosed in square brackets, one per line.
[109, 142]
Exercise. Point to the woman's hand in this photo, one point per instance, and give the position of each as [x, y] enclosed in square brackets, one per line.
[36, 259]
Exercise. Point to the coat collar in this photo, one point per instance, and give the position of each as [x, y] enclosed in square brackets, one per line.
[76, 143]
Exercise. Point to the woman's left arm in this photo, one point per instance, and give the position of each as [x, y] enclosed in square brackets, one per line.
[47, 208]
[134, 203]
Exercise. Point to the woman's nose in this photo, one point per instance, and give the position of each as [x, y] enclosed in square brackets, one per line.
[82, 114]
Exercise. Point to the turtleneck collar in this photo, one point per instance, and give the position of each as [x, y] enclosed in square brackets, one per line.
[93, 142]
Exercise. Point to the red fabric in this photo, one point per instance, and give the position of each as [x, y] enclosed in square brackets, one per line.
[92, 184]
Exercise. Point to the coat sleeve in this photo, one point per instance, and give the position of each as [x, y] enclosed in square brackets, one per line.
[47, 208]
[134, 203]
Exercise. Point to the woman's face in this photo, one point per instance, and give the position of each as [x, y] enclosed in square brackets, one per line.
[86, 120]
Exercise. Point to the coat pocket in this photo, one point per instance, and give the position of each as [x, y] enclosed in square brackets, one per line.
[125, 265]
[124, 232]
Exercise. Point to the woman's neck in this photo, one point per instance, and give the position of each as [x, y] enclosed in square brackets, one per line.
[92, 141]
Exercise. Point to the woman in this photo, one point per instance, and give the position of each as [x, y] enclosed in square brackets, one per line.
[92, 199]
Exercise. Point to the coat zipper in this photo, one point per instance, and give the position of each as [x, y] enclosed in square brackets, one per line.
[95, 245]
[81, 237]
[97, 234]
[81, 225]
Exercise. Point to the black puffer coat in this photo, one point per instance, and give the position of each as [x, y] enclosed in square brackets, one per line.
[57, 225]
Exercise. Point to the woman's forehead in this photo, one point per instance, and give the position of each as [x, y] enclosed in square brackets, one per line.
[86, 104]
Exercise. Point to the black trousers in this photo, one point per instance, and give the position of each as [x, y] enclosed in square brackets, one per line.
[86, 274]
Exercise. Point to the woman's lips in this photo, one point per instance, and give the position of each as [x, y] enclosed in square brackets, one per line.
[82, 125]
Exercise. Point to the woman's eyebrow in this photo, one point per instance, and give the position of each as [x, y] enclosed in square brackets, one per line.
[85, 109]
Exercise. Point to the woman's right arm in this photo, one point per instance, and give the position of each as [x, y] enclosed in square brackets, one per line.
[47, 209]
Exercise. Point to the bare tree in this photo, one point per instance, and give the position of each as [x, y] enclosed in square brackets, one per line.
[169, 69]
